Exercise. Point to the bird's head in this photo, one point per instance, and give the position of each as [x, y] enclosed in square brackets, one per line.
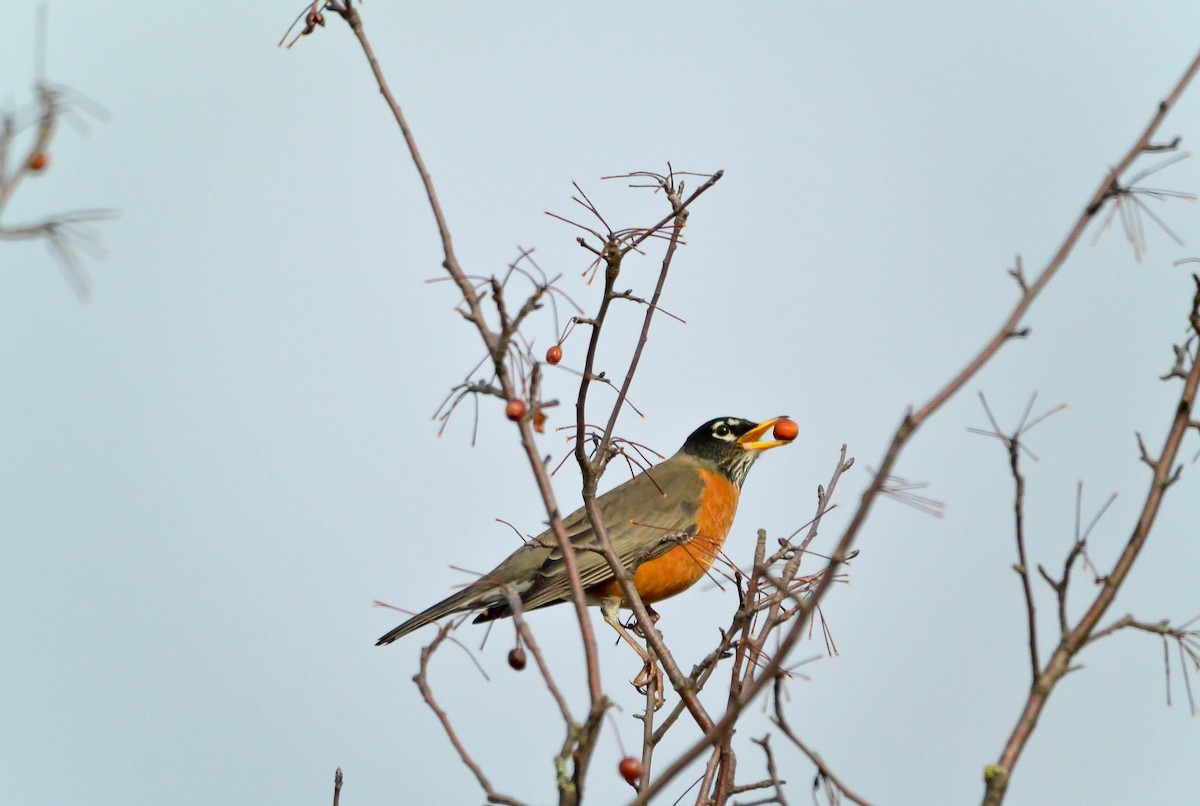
[732, 444]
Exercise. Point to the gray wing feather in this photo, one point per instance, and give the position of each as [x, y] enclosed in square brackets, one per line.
[536, 570]
[662, 523]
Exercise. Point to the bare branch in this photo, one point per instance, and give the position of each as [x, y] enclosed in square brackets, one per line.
[1014, 446]
[421, 678]
[495, 343]
[823, 770]
[1163, 474]
[66, 235]
[909, 425]
[773, 781]
[1186, 640]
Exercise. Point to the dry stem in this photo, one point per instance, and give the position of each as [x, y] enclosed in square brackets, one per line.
[1164, 474]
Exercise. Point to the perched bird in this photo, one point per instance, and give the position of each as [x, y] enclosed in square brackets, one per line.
[668, 523]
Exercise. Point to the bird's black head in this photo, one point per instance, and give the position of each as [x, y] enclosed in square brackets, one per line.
[732, 444]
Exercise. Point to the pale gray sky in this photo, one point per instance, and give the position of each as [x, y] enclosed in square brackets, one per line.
[212, 467]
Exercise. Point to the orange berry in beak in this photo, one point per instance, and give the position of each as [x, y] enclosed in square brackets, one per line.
[785, 429]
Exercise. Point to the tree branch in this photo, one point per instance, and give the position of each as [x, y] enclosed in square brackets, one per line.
[346, 10]
[912, 421]
[1163, 475]
[422, 680]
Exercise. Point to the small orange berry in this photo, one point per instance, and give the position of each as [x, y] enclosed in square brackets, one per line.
[785, 429]
[515, 410]
[631, 769]
[539, 421]
[38, 161]
[554, 355]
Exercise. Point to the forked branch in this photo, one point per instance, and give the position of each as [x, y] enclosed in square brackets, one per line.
[913, 420]
[493, 341]
[1163, 474]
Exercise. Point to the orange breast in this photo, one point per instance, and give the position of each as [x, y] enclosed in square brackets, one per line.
[684, 565]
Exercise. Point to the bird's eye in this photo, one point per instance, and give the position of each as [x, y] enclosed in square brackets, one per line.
[721, 430]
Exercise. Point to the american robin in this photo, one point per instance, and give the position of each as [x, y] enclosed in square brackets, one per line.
[668, 524]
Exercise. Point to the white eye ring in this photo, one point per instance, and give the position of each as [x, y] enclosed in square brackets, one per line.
[721, 430]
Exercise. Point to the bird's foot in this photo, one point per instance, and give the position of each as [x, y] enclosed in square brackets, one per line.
[651, 675]
[636, 628]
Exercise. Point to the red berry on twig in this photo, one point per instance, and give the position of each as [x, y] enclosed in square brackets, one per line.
[515, 410]
[631, 769]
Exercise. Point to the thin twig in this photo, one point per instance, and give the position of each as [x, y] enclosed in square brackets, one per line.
[913, 420]
[1074, 639]
[772, 771]
[757, 663]
[592, 469]
[822, 768]
[493, 342]
[422, 680]
[1013, 447]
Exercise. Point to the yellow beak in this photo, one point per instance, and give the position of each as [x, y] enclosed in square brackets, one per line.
[749, 440]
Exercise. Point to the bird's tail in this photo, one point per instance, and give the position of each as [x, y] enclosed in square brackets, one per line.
[468, 598]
